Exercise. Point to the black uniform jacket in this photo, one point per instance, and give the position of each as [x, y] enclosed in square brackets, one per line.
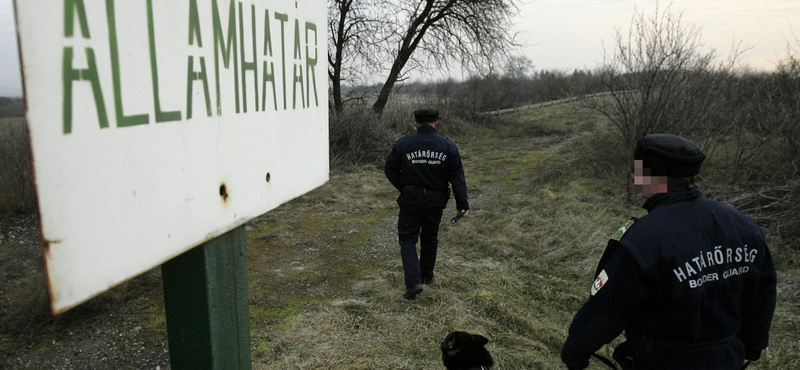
[694, 276]
[427, 160]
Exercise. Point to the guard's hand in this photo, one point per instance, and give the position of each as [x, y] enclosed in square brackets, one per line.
[459, 214]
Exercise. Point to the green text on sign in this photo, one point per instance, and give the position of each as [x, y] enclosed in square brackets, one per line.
[251, 66]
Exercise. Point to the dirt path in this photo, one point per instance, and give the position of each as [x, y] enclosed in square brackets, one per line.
[332, 245]
[116, 330]
[313, 249]
[336, 245]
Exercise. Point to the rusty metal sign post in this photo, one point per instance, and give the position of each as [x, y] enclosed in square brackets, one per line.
[158, 129]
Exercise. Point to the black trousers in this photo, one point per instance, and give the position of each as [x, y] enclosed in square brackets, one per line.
[418, 224]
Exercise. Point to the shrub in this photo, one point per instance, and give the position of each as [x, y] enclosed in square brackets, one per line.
[360, 137]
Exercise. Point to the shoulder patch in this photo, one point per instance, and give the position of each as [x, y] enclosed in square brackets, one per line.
[621, 231]
[599, 282]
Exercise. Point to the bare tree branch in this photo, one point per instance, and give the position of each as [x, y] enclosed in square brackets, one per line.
[418, 35]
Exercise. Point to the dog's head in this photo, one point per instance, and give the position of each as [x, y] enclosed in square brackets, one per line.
[462, 350]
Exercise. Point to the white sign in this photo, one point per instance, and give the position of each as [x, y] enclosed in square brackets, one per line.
[157, 125]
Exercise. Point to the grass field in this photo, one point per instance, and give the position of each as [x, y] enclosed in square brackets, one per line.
[16, 181]
[547, 189]
[546, 194]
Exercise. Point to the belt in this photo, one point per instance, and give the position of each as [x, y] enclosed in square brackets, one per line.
[429, 191]
[665, 343]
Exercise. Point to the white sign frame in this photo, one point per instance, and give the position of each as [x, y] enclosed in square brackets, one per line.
[132, 168]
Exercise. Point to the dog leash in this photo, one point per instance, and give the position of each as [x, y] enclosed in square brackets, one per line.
[611, 364]
[606, 361]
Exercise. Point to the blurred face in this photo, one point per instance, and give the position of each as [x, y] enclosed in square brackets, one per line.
[434, 124]
[645, 183]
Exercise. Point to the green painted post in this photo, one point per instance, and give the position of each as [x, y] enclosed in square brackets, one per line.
[205, 297]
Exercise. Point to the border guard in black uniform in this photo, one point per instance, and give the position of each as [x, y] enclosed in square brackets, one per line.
[420, 166]
[691, 283]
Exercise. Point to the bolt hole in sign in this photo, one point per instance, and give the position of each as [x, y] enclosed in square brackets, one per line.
[152, 124]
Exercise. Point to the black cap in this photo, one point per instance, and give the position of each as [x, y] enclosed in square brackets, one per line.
[425, 115]
[669, 155]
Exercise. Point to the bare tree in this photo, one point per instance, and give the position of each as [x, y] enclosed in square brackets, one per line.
[789, 80]
[518, 67]
[769, 164]
[428, 34]
[352, 29]
[659, 78]
[662, 79]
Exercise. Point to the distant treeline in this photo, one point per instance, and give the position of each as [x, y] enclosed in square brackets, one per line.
[12, 107]
[510, 89]
[746, 121]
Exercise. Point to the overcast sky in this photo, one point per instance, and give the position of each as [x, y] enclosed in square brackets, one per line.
[10, 81]
[569, 34]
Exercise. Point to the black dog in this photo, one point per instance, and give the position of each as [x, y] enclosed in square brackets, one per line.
[465, 351]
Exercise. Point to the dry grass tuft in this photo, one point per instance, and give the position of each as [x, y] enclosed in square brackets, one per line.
[17, 193]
